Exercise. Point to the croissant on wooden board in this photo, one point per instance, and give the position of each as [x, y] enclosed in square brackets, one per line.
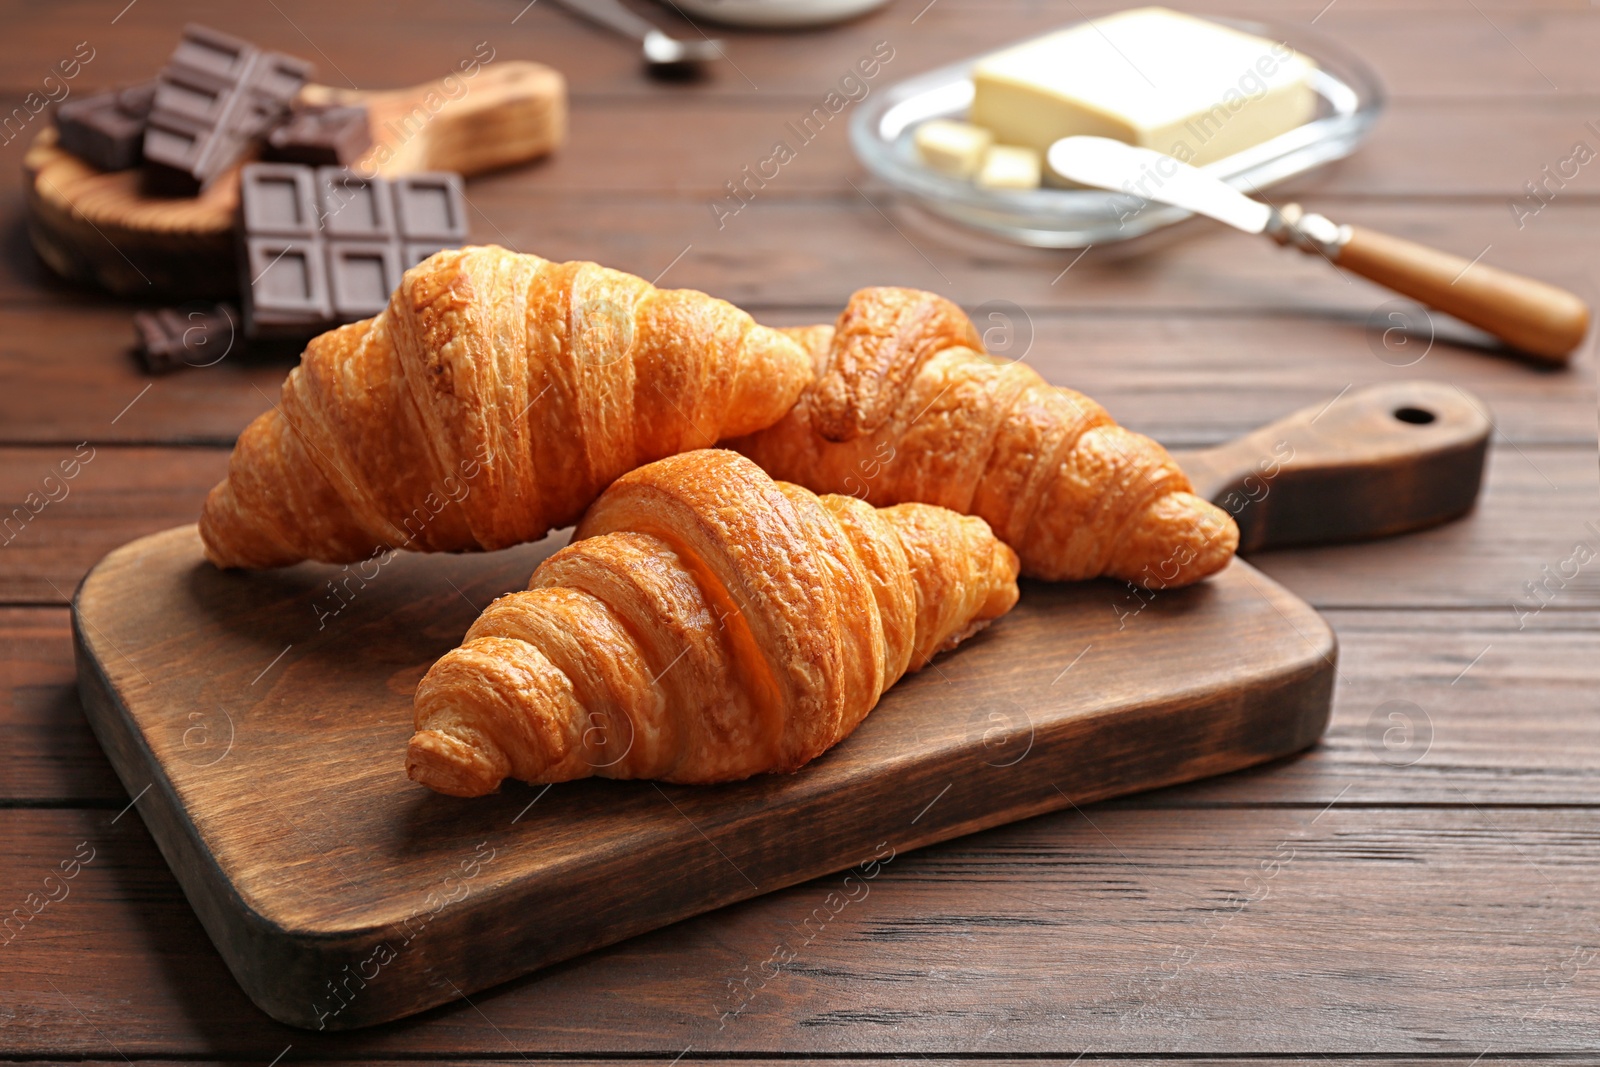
[706, 624]
[906, 406]
[493, 399]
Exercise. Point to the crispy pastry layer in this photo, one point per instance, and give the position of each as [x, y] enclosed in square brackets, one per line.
[490, 402]
[907, 407]
[707, 624]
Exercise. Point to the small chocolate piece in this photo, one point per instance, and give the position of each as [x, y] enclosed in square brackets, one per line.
[320, 136]
[171, 338]
[327, 246]
[214, 98]
[106, 130]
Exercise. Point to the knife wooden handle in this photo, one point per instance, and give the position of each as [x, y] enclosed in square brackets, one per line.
[1373, 462]
[1529, 315]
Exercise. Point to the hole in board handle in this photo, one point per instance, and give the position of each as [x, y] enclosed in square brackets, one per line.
[1415, 416]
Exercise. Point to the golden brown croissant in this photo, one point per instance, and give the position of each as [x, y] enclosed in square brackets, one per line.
[493, 399]
[707, 624]
[906, 406]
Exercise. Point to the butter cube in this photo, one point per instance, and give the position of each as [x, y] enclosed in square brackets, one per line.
[954, 148]
[1010, 167]
[1152, 77]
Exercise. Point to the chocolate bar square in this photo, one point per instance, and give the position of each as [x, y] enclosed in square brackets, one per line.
[363, 274]
[197, 95]
[202, 48]
[173, 143]
[278, 78]
[279, 199]
[355, 206]
[288, 285]
[430, 207]
[321, 136]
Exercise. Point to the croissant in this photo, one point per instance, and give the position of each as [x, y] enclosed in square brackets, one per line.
[706, 624]
[493, 399]
[906, 406]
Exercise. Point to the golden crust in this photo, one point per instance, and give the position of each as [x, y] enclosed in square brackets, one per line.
[706, 624]
[490, 402]
[907, 407]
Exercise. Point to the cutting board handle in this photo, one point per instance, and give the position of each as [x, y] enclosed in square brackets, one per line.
[1372, 462]
[499, 114]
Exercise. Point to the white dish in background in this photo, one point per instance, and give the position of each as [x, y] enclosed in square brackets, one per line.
[1349, 94]
[777, 14]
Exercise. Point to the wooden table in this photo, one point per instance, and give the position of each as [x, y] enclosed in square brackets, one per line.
[1401, 892]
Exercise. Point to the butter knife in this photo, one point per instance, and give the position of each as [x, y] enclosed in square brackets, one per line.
[1538, 319]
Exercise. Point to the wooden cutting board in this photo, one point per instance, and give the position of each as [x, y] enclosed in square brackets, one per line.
[260, 722]
[99, 228]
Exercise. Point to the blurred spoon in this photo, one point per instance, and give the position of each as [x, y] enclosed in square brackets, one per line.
[664, 56]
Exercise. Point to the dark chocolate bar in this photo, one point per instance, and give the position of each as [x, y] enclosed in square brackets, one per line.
[321, 247]
[106, 129]
[171, 338]
[320, 136]
[215, 97]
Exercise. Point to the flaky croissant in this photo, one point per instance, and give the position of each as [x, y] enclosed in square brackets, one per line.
[706, 624]
[490, 402]
[906, 406]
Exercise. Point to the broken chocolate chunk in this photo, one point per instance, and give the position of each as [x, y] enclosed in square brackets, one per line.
[106, 130]
[320, 136]
[216, 96]
[171, 338]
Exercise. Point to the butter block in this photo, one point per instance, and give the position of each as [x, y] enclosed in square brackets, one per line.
[1010, 167]
[1193, 89]
[954, 148]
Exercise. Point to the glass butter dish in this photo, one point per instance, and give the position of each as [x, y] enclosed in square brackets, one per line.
[1348, 94]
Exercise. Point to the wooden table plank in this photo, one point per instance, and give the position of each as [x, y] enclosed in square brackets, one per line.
[51, 756]
[1087, 1059]
[781, 251]
[118, 494]
[72, 377]
[1468, 54]
[1533, 513]
[1533, 510]
[784, 252]
[1186, 379]
[1421, 147]
[1448, 708]
[1445, 931]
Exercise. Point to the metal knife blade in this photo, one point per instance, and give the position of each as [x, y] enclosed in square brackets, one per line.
[1150, 175]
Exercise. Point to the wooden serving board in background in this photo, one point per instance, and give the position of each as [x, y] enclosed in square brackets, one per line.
[264, 740]
[99, 228]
